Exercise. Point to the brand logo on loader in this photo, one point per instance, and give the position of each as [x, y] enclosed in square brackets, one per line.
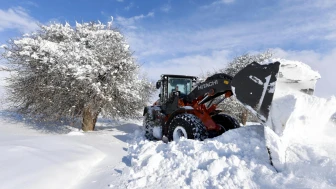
[206, 85]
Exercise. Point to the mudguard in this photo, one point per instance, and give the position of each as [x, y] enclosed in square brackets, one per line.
[254, 87]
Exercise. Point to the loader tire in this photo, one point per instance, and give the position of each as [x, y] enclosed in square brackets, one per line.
[226, 121]
[148, 127]
[188, 126]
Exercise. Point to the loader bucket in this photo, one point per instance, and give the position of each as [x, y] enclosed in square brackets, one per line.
[254, 87]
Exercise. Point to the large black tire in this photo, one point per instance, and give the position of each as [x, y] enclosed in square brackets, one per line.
[148, 127]
[188, 126]
[226, 121]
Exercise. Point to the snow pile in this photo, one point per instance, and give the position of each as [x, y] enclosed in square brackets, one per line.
[300, 115]
[296, 116]
[297, 76]
[294, 108]
[295, 111]
[194, 163]
[236, 159]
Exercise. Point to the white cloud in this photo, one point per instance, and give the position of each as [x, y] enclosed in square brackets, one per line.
[225, 1]
[173, 41]
[17, 18]
[194, 43]
[120, 1]
[188, 65]
[31, 3]
[129, 6]
[308, 4]
[274, 30]
[130, 22]
[166, 8]
[216, 3]
[331, 36]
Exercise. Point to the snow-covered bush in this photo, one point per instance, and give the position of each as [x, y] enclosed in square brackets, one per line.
[62, 71]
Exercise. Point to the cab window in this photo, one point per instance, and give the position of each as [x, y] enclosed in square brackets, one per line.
[182, 84]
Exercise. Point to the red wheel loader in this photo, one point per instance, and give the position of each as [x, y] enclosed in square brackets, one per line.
[186, 109]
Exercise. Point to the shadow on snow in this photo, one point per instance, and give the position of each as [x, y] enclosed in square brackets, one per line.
[63, 126]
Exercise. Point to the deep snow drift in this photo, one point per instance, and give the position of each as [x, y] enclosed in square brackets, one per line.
[237, 159]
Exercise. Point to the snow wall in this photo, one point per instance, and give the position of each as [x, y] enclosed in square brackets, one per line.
[296, 114]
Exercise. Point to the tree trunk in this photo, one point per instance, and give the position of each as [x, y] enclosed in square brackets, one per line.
[89, 119]
[244, 117]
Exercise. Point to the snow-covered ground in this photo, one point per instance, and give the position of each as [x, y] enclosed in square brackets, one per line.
[40, 156]
[117, 155]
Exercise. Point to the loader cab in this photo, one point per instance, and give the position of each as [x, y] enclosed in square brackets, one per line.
[174, 84]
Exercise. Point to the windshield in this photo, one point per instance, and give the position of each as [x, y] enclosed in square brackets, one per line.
[181, 84]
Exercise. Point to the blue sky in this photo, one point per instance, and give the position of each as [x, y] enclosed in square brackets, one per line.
[196, 36]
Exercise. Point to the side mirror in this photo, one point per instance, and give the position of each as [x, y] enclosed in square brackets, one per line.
[159, 95]
[158, 84]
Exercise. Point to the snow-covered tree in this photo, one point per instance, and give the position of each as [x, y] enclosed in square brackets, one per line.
[231, 105]
[242, 61]
[69, 72]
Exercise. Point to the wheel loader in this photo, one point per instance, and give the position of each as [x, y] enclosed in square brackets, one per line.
[186, 108]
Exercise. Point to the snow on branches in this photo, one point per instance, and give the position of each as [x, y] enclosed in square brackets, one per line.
[63, 71]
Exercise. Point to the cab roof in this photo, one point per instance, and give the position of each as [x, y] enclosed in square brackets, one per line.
[178, 76]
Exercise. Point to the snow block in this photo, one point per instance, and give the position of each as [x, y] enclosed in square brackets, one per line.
[295, 113]
[300, 115]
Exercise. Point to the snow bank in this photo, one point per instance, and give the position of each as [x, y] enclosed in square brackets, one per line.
[40, 161]
[295, 111]
[296, 115]
[301, 120]
[237, 159]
